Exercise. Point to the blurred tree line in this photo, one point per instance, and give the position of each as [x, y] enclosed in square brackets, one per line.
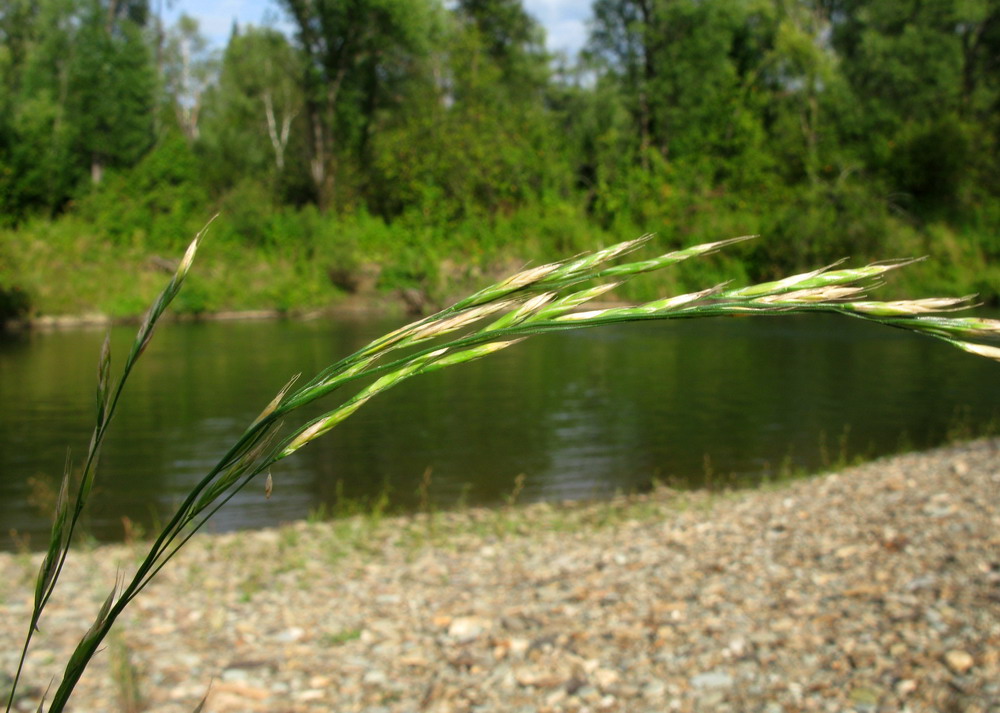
[833, 126]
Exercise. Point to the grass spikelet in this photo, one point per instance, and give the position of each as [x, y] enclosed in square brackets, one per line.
[671, 258]
[909, 308]
[811, 296]
[276, 401]
[466, 355]
[672, 303]
[583, 265]
[524, 278]
[983, 350]
[584, 316]
[525, 311]
[433, 329]
[573, 300]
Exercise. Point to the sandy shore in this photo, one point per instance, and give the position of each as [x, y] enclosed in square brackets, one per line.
[876, 588]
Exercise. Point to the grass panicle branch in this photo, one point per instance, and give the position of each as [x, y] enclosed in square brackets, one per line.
[537, 300]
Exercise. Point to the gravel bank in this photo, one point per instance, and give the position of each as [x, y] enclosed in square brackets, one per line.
[876, 588]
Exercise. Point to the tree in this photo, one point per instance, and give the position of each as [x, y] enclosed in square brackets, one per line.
[189, 66]
[478, 134]
[622, 35]
[924, 77]
[356, 51]
[111, 86]
[686, 69]
[511, 39]
[251, 112]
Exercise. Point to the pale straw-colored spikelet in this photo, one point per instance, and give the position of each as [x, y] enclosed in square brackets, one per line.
[527, 277]
[322, 425]
[983, 350]
[458, 321]
[572, 301]
[582, 316]
[709, 248]
[187, 260]
[907, 308]
[581, 265]
[623, 248]
[530, 308]
[671, 303]
[783, 285]
[269, 409]
[357, 368]
[811, 296]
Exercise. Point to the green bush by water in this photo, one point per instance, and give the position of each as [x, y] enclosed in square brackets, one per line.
[289, 259]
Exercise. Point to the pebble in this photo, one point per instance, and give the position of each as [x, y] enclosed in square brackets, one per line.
[467, 628]
[959, 661]
[870, 589]
[712, 679]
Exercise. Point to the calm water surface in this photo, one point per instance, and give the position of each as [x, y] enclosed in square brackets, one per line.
[579, 414]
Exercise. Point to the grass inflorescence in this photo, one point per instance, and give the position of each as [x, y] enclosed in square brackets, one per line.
[538, 300]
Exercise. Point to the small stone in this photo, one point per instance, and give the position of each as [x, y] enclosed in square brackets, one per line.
[518, 647]
[864, 696]
[587, 693]
[958, 661]
[605, 678]
[712, 679]
[235, 675]
[556, 697]
[537, 678]
[467, 628]
[291, 635]
[846, 552]
[906, 687]
[654, 690]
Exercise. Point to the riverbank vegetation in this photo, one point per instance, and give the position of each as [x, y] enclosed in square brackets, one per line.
[428, 146]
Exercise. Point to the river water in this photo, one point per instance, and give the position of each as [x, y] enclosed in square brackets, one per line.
[577, 415]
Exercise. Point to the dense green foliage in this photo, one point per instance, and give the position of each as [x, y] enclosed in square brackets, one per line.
[424, 144]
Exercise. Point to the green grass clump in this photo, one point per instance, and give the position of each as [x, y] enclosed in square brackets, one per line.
[538, 300]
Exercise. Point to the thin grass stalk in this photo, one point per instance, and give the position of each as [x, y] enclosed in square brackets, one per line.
[107, 404]
[536, 301]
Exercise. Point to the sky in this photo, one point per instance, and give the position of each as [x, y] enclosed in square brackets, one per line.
[564, 20]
